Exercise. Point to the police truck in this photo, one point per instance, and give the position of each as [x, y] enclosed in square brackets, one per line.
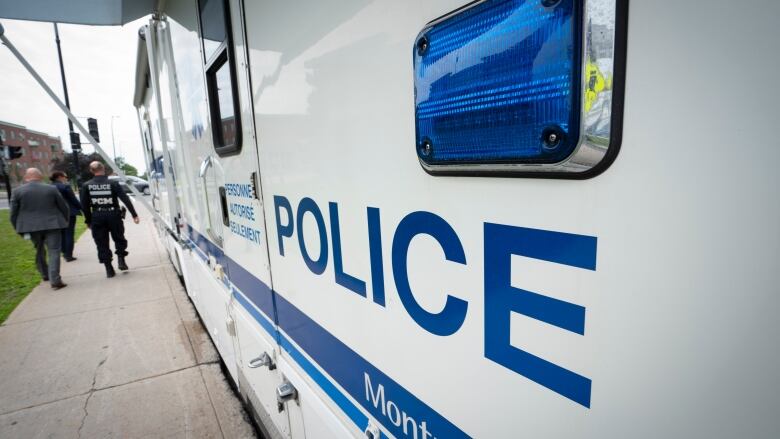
[496, 219]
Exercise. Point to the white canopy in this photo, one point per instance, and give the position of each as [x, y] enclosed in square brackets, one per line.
[93, 12]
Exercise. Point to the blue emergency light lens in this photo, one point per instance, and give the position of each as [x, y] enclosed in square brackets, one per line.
[498, 83]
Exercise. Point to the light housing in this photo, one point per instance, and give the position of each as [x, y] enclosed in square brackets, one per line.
[521, 88]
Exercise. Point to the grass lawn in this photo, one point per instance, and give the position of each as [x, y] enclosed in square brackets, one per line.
[18, 275]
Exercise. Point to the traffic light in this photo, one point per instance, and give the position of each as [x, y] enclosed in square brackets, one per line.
[75, 141]
[93, 129]
[12, 152]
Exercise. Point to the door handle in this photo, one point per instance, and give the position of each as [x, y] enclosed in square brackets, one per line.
[262, 360]
[204, 167]
[372, 431]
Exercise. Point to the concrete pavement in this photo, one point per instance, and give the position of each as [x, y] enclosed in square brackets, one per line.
[123, 357]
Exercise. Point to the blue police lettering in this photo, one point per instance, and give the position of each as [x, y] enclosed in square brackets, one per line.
[283, 230]
[317, 266]
[394, 414]
[375, 252]
[501, 299]
[238, 211]
[242, 211]
[450, 319]
[345, 280]
[248, 233]
[239, 190]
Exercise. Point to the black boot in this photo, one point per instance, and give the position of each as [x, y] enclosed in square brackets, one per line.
[109, 270]
[121, 264]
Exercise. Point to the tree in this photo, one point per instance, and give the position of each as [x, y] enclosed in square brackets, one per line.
[66, 165]
[127, 168]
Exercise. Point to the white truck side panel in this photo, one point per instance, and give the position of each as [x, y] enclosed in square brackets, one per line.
[680, 310]
[680, 331]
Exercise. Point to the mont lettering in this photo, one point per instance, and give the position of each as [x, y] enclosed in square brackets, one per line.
[501, 298]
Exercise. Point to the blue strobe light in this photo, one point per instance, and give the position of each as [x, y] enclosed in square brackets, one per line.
[498, 83]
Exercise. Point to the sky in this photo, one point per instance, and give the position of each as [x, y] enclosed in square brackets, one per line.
[100, 72]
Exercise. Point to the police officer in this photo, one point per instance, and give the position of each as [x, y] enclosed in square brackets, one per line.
[100, 199]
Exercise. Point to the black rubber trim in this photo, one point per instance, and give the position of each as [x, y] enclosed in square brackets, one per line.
[223, 54]
[223, 204]
[616, 122]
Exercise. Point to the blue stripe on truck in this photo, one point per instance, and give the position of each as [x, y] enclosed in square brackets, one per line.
[354, 373]
[327, 386]
[397, 409]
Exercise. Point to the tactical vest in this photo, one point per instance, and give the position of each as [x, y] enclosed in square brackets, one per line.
[102, 196]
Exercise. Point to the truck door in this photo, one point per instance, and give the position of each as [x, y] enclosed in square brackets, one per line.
[240, 202]
[162, 116]
[200, 178]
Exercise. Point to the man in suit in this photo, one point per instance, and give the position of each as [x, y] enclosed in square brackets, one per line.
[60, 180]
[39, 213]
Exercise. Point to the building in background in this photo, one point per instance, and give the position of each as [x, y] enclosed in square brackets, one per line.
[39, 150]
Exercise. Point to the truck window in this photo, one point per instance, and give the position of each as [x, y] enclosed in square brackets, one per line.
[220, 70]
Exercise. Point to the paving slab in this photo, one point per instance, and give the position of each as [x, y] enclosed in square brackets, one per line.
[143, 247]
[202, 346]
[48, 360]
[64, 356]
[169, 406]
[90, 265]
[144, 339]
[60, 419]
[93, 292]
[233, 419]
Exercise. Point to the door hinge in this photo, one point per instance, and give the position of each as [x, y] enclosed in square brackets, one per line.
[231, 326]
[255, 185]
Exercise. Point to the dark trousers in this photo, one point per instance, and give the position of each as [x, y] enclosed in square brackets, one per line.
[101, 229]
[48, 240]
[67, 237]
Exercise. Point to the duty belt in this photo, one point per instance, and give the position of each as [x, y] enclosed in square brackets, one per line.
[105, 209]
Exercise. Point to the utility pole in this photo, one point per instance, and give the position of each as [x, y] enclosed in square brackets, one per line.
[75, 146]
[113, 143]
[6, 177]
[4, 171]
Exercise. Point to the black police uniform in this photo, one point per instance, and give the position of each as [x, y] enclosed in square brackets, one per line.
[102, 213]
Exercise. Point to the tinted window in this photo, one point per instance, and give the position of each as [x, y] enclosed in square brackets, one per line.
[227, 114]
[220, 75]
[212, 21]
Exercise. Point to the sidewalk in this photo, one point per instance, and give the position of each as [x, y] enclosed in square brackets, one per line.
[122, 357]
